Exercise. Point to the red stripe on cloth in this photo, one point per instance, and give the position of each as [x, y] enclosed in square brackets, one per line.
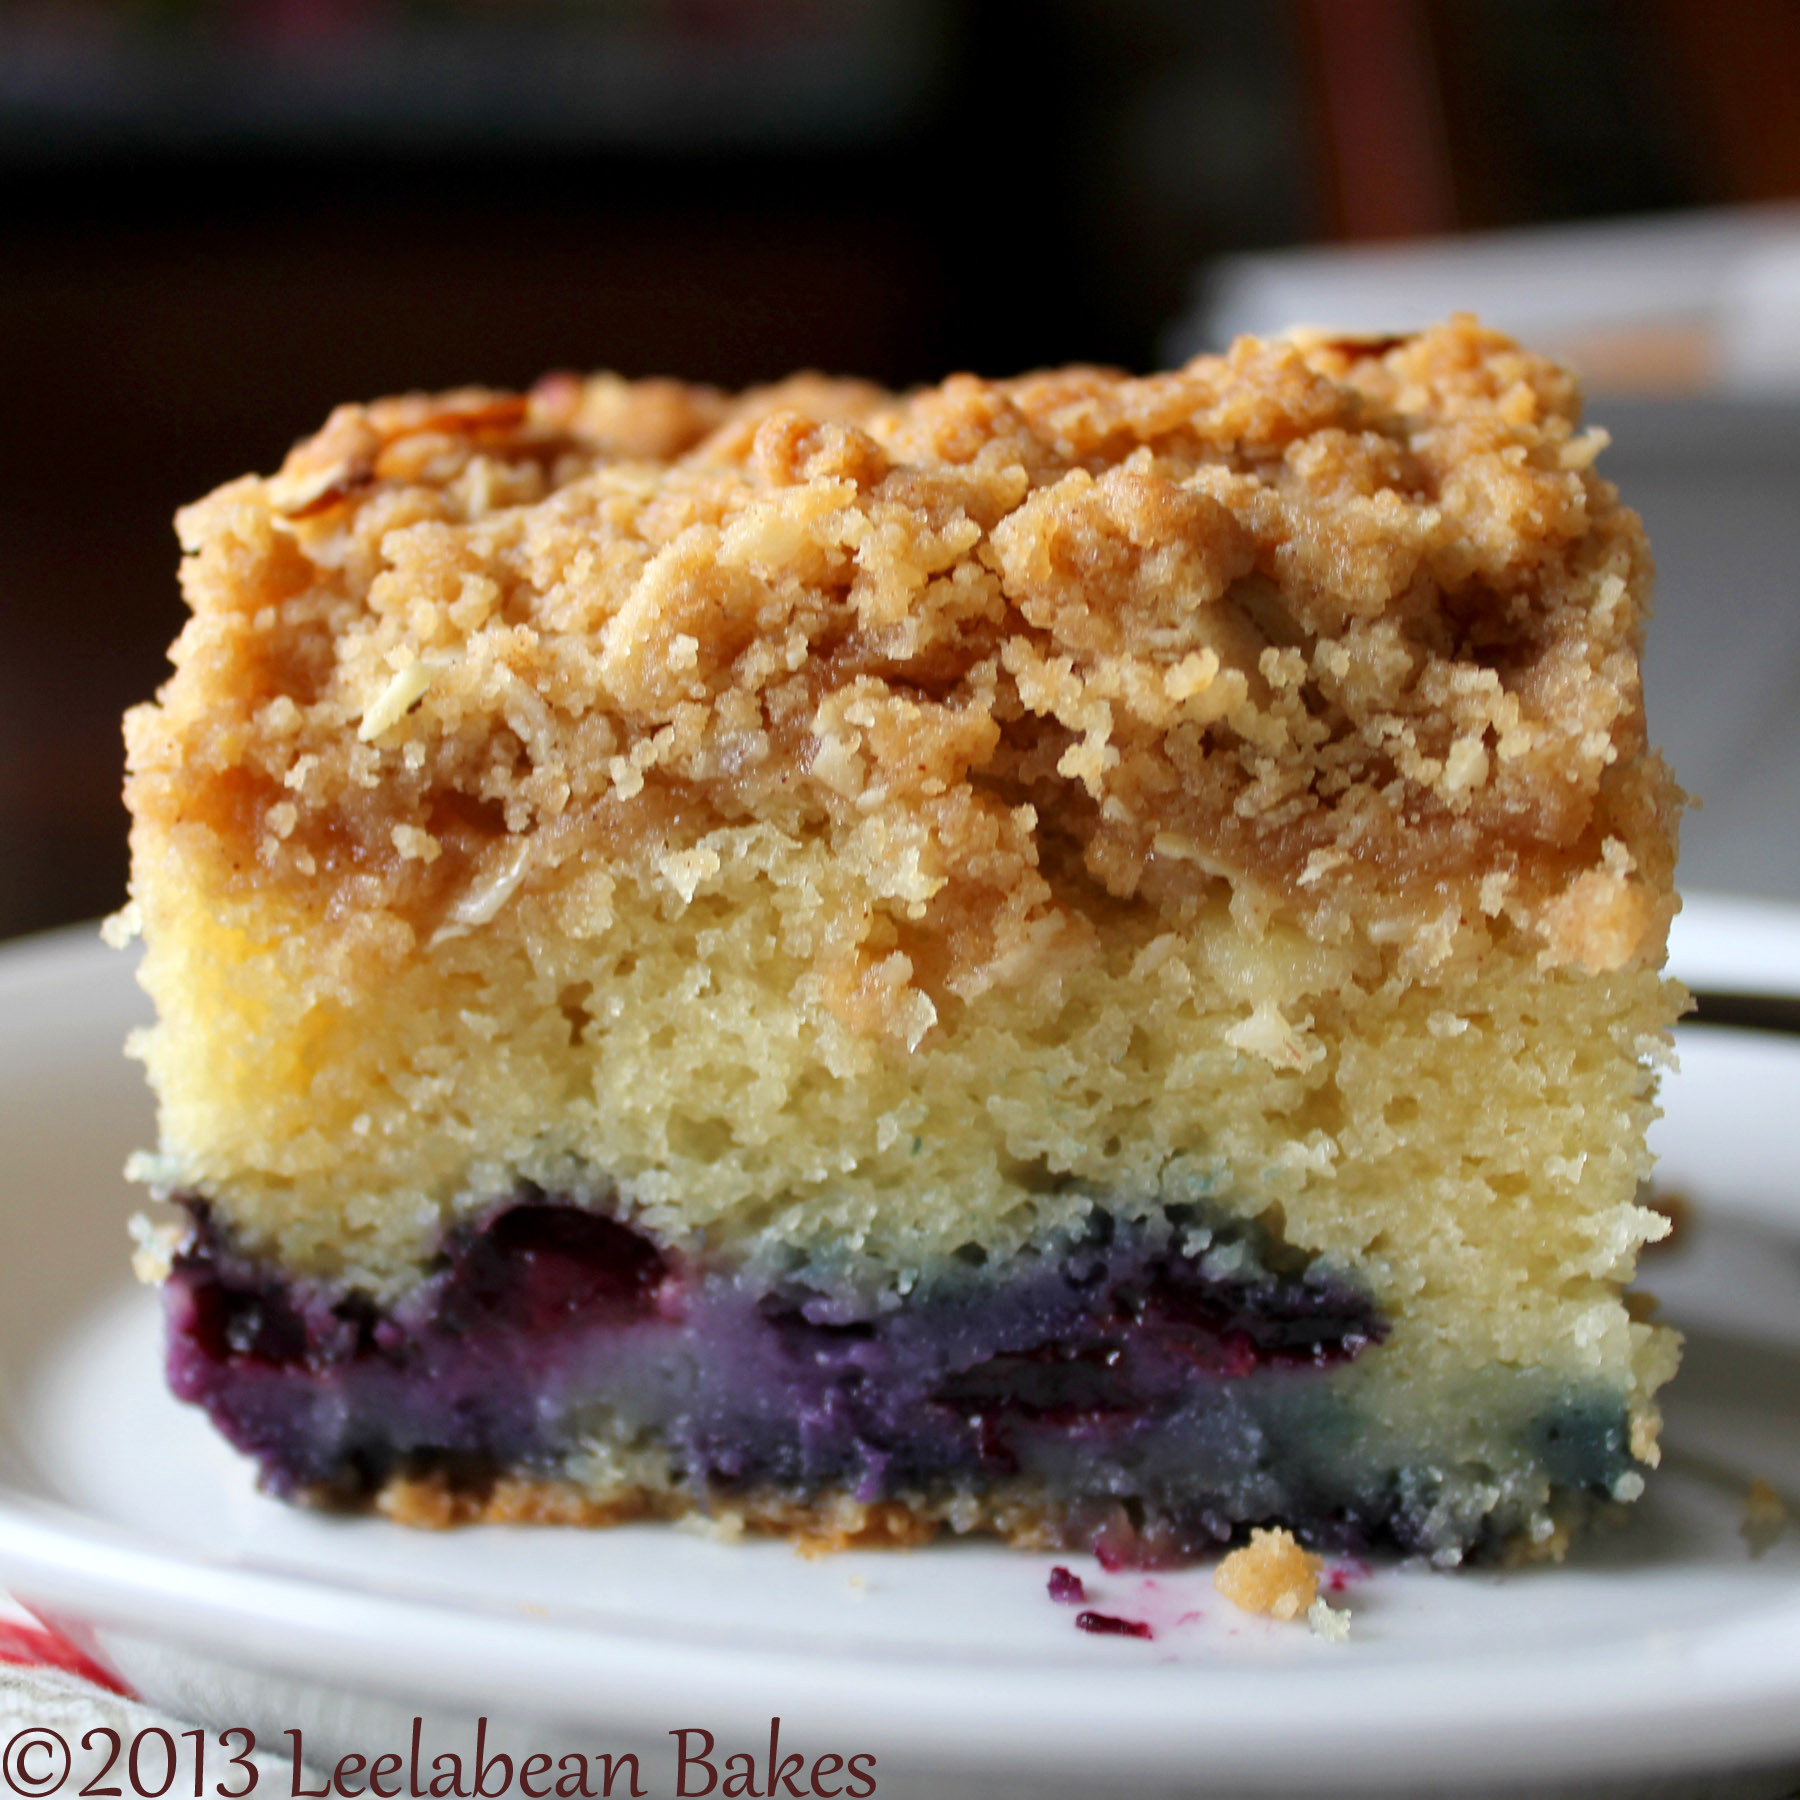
[38, 1647]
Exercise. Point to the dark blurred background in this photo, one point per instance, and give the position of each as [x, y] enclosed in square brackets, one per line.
[220, 217]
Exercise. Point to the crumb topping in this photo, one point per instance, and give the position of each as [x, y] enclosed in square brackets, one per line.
[1349, 633]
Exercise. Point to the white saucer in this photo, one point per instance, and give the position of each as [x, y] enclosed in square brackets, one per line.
[1665, 1658]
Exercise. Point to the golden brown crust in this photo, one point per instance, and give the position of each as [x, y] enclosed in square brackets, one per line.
[430, 1503]
[1352, 628]
[821, 1525]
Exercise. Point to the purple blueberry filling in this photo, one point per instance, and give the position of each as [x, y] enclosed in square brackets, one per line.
[1162, 1398]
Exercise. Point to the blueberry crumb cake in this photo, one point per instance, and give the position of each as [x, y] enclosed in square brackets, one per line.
[1074, 957]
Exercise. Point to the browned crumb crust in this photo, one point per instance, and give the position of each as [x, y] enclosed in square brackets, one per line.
[1353, 628]
[1254, 1576]
[821, 1525]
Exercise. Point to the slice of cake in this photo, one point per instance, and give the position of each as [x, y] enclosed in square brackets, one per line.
[1075, 957]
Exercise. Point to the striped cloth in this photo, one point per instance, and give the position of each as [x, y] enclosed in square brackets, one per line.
[53, 1692]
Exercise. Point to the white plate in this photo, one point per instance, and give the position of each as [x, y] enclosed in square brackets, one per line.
[1665, 1654]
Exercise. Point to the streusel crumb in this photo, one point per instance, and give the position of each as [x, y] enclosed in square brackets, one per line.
[1350, 630]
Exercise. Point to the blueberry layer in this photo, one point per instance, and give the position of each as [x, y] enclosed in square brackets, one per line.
[1159, 1387]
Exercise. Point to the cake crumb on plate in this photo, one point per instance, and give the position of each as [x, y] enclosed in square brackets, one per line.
[1765, 1516]
[1328, 1622]
[1271, 1574]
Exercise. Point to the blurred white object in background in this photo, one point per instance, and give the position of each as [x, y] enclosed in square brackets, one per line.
[1718, 484]
[1686, 331]
[1759, 323]
[1682, 303]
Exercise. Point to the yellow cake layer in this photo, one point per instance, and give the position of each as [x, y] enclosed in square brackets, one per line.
[1469, 1145]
